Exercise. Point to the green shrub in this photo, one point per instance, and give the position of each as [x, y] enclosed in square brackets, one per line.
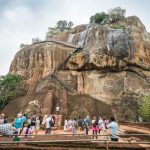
[99, 18]
[117, 26]
[144, 108]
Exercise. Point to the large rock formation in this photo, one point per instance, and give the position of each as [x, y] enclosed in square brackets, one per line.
[93, 69]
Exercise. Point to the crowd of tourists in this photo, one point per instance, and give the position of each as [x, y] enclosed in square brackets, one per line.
[26, 126]
[98, 126]
[20, 125]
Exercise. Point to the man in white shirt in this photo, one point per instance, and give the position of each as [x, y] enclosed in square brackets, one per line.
[48, 124]
[57, 109]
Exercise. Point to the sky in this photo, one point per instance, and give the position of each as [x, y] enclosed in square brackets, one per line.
[22, 20]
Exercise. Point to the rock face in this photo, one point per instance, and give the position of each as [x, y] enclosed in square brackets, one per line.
[93, 69]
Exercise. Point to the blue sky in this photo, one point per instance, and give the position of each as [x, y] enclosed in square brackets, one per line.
[21, 20]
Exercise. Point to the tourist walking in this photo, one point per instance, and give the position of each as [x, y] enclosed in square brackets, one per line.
[80, 124]
[94, 127]
[104, 128]
[66, 124]
[27, 131]
[18, 123]
[37, 125]
[69, 128]
[100, 124]
[86, 125]
[33, 123]
[48, 124]
[57, 110]
[113, 126]
[74, 126]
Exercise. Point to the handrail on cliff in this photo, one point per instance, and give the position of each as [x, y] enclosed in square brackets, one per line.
[57, 42]
[59, 67]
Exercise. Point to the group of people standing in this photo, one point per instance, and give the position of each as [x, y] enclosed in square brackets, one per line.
[21, 125]
[31, 125]
[96, 125]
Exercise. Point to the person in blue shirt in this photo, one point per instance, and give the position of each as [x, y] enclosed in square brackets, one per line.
[86, 124]
[18, 123]
[24, 118]
[113, 126]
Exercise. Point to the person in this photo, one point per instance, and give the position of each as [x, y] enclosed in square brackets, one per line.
[100, 124]
[74, 126]
[33, 123]
[18, 123]
[37, 125]
[104, 127]
[80, 124]
[29, 120]
[53, 123]
[48, 124]
[57, 109]
[65, 124]
[7, 129]
[69, 128]
[2, 118]
[113, 126]
[95, 127]
[24, 119]
[27, 130]
[41, 118]
[86, 124]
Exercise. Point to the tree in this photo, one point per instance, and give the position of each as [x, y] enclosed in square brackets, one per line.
[23, 45]
[62, 25]
[51, 33]
[36, 40]
[116, 14]
[99, 18]
[70, 25]
[144, 108]
[9, 85]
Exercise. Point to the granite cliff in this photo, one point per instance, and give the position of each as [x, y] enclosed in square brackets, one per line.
[93, 69]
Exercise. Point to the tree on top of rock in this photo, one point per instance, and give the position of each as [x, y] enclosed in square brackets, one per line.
[112, 16]
[116, 14]
[61, 26]
[99, 18]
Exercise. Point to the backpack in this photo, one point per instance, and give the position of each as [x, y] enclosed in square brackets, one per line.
[51, 123]
[94, 124]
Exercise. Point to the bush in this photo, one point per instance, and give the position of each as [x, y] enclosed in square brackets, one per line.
[113, 15]
[9, 85]
[144, 108]
[117, 26]
[116, 14]
[99, 18]
[61, 26]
